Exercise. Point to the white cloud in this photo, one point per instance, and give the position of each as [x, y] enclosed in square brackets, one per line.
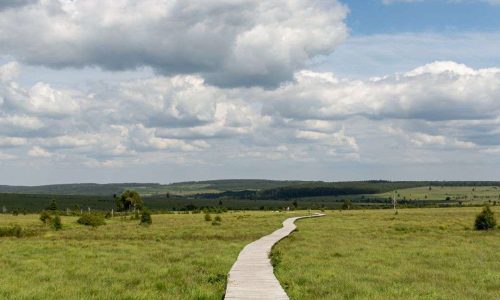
[9, 71]
[230, 43]
[437, 112]
[435, 92]
[12, 141]
[37, 151]
[6, 156]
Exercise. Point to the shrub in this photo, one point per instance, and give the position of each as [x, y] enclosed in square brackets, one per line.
[208, 217]
[15, 212]
[90, 219]
[56, 222]
[45, 217]
[218, 218]
[15, 230]
[485, 220]
[146, 217]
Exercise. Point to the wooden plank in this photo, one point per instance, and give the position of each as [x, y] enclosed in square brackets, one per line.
[252, 276]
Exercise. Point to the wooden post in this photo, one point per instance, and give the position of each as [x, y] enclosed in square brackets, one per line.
[394, 202]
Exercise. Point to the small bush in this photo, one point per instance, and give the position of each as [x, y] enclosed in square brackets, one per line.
[15, 231]
[485, 220]
[56, 223]
[218, 218]
[208, 217]
[15, 212]
[89, 219]
[45, 217]
[146, 217]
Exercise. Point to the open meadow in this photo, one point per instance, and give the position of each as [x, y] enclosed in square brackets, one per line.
[179, 256]
[431, 253]
[464, 194]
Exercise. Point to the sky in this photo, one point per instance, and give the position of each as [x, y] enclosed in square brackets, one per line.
[165, 91]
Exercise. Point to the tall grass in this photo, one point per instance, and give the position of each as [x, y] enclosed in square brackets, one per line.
[374, 254]
[179, 256]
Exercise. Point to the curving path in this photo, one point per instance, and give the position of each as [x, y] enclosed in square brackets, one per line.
[252, 276]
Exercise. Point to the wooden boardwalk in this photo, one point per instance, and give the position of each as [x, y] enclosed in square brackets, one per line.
[252, 276]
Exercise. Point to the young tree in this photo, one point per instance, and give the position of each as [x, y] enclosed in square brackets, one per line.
[347, 204]
[52, 206]
[56, 222]
[394, 203]
[128, 200]
[485, 220]
[146, 217]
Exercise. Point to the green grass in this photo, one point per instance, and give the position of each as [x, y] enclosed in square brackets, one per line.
[428, 253]
[180, 256]
[466, 194]
[372, 254]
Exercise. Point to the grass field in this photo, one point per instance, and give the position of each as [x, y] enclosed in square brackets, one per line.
[430, 253]
[466, 194]
[180, 256]
[373, 254]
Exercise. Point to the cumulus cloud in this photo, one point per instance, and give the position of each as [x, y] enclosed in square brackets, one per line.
[428, 112]
[438, 91]
[230, 43]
